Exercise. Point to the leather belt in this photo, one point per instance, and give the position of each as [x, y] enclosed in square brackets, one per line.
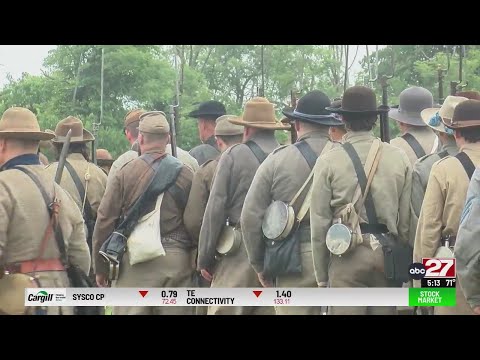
[31, 266]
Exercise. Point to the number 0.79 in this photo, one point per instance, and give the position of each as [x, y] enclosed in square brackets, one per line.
[283, 293]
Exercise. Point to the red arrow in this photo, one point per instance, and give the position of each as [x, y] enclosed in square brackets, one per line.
[257, 293]
[143, 292]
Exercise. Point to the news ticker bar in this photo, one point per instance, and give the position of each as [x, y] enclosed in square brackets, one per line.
[240, 297]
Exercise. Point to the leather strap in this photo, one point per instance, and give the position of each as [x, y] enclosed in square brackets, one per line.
[257, 151]
[87, 209]
[32, 266]
[467, 163]
[414, 144]
[362, 177]
[308, 198]
[53, 207]
[307, 152]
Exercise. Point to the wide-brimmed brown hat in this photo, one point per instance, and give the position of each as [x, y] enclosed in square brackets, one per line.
[104, 158]
[21, 123]
[433, 116]
[79, 134]
[259, 113]
[470, 94]
[411, 103]
[465, 115]
[358, 100]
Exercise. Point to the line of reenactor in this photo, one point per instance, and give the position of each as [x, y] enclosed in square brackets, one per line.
[240, 210]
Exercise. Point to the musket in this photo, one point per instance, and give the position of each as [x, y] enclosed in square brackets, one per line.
[456, 86]
[383, 80]
[262, 89]
[441, 75]
[174, 111]
[63, 157]
[96, 126]
[293, 103]
[384, 126]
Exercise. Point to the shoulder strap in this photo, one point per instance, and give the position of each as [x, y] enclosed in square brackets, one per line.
[414, 144]
[328, 146]
[443, 154]
[467, 163]
[362, 178]
[81, 190]
[257, 151]
[166, 171]
[52, 207]
[307, 152]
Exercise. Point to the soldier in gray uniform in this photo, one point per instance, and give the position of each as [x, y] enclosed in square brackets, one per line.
[279, 178]
[335, 184]
[423, 166]
[467, 247]
[206, 114]
[234, 174]
[417, 138]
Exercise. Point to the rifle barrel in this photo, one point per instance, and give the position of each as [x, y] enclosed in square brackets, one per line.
[63, 157]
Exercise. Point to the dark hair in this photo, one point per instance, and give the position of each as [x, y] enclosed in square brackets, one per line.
[208, 118]
[75, 148]
[231, 139]
[359, 122]
[133, 128]
[471, 135]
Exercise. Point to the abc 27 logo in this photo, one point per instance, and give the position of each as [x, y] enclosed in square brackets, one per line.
[431, 268]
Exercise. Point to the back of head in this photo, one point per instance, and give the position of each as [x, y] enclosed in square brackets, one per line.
[359, 108]
[228, 132]
[154, 128]
[130, 123]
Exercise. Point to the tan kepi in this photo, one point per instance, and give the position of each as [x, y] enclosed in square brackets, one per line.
[21, 123]
[433, 116]
[79, 134]
[154, 122]
[224, 127]
[259, 113]
[280, 219]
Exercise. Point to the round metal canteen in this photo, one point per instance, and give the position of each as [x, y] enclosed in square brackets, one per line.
[278, 220]
[444, 252]
[229, 241]
[339, 239]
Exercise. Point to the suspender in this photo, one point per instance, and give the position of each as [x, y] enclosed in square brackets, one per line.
[414, 144]
[467, 163]
[257, 151]
[87, 211]
[58, 231]
[362, 180]
[307, 152]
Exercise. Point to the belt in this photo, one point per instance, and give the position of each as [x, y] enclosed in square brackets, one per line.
[31, 266]
[450, 238]
[373, 228]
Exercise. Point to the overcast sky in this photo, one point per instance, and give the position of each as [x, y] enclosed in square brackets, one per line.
[15, 59]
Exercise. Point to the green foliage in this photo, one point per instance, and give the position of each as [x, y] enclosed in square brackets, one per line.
[145, 76]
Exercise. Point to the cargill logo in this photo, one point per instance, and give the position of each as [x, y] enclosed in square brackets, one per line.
[41, 296]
